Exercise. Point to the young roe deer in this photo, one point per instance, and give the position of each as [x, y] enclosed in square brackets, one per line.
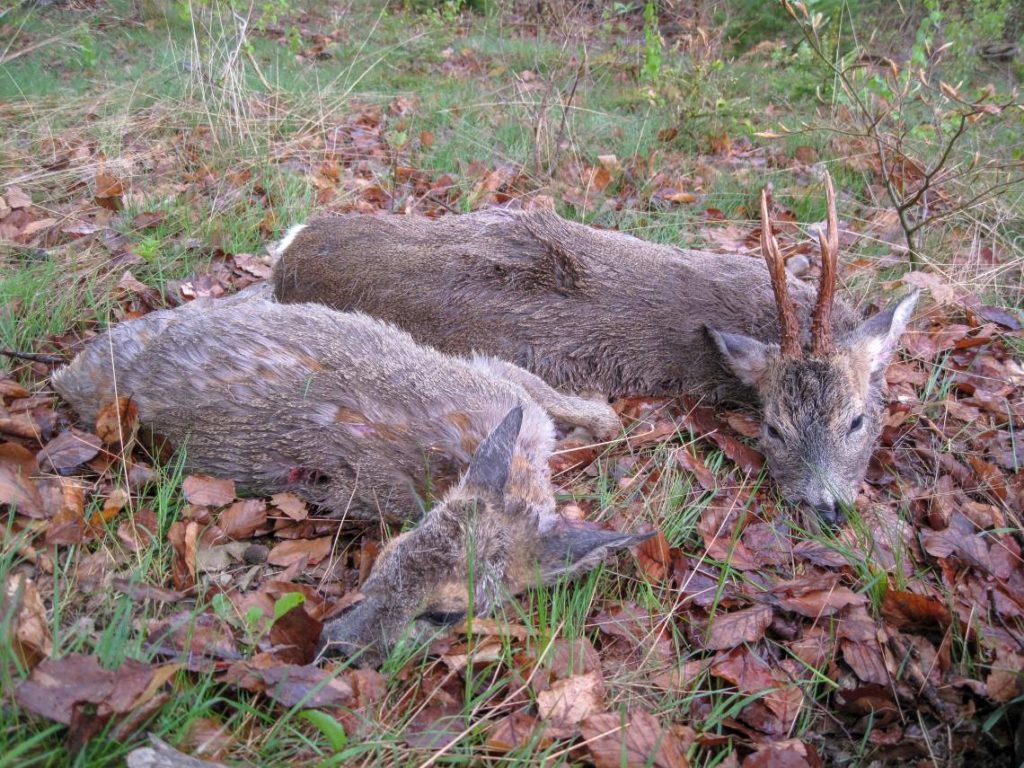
[592, 310]
[351, 414]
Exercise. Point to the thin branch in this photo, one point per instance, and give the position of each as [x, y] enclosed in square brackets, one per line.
[33, 357]
[565, 113]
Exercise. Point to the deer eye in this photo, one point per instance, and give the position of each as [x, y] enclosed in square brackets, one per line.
[857, 423]
[773, 433]
[442, 618]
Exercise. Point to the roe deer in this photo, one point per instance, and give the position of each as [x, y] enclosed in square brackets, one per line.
[590, 310]
[486, 533]
[352, 415]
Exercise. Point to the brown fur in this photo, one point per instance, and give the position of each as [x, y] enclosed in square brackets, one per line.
[591, 310]
[352, 415]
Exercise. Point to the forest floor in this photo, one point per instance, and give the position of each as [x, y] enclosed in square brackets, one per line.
[150, 151]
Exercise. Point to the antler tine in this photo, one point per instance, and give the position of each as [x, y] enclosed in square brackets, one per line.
[790, 331]
[821, 319]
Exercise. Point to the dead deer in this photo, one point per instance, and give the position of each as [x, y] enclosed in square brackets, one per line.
[590, 310]
[352, 415]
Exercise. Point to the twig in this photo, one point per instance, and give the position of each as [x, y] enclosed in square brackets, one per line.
[7, 58]
[565, 114]
[34, 357]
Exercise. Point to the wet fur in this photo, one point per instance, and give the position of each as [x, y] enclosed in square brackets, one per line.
[585, 309]
[599, 311]
[352, 415]
[346, 411]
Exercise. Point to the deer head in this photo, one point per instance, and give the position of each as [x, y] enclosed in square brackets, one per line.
[482, 543]
[822, 407]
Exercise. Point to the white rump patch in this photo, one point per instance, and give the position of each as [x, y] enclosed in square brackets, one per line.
[286, 241]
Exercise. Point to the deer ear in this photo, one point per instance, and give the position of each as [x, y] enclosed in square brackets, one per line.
[490, 465]
[572, 549]
[744, 356]
[875, 341]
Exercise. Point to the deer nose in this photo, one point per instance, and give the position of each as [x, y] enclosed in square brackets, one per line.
[831, 512]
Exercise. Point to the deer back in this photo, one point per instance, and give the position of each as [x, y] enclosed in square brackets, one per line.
[585, 309]
[344, 410]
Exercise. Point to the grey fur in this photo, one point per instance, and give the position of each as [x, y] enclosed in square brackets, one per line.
[590, 310]
[352, 415]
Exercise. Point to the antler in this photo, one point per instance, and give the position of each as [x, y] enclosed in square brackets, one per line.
[790, 331]
[821, 320]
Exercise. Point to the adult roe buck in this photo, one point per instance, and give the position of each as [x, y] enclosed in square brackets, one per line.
[588, 310]
[352, 415]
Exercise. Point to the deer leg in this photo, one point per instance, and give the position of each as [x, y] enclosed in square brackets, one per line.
[596, 417]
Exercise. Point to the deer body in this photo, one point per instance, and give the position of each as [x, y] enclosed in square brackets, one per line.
[592, 310]
[585, 309]
[341, 409]
[352, 415]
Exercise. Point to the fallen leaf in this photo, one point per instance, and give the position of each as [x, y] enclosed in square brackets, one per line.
[291, 685]
[69, 450]
[563, 659]
[942, 292]
[295, 636]
[696, 466]
[12, 389]
[138, 591]
[460, 656]
[906, 610]
[67, 526]
[680, 679]
[704, 422]
[600, 178]
[512, 732]
[727, 630]
[291, 505]
[20, 425]
[815, 596]
[751, 675]
[112, 505]
[638, 741]
[148, 220]
[109, 190]
[571, 700]
[289, 552]
[243, 518]
[1004, 317]
[653, 557]
[35, 227]
[17, 198]
[866, 660]
[960, 538]
[59, 688]
[30, 639]
[493, 628]
[117, 422]
[219, 558]
[19, 491]
[1004, 682]
[187, 637]
[206, 491]
[207, 737]
[676, 196]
